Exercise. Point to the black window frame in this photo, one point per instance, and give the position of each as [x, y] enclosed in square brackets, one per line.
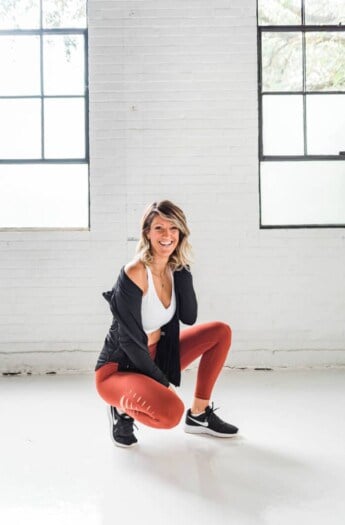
[41, 32]
[304, 29]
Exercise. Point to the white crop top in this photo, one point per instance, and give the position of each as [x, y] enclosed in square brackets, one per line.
[153, 312]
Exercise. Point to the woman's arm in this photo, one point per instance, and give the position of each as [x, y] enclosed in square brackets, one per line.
[188, 306]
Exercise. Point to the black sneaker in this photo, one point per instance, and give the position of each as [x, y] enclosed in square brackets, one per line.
[208, 423]
[121, 428]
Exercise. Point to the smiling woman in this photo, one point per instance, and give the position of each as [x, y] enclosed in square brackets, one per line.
[144, 351]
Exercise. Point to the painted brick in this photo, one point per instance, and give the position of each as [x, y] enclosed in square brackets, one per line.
[173, 114]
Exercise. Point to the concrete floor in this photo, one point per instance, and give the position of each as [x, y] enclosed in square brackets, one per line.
[59, 466]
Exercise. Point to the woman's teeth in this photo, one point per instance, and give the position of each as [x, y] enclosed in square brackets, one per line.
[165, 243]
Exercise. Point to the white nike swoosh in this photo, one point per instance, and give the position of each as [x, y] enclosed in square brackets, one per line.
[199, 422]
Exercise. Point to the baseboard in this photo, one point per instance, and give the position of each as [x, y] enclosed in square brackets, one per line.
[79, 361]
[294, 358]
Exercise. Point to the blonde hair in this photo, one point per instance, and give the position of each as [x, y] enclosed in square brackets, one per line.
[182, 255]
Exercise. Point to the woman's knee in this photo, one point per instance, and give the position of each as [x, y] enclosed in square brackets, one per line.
[223, 331]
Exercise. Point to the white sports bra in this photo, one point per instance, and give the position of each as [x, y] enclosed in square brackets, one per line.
[153, 312]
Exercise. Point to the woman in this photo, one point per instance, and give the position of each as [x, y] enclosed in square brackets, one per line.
[144, 351]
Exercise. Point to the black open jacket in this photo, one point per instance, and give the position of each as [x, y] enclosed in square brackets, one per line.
[126, 341]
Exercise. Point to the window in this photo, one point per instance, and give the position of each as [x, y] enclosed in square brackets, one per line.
[43, 114]
[301, 50]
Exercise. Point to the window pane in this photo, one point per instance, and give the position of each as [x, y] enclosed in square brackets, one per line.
[324, 11]
[44, 196]
[282, 125]
[307, 193]
[282, 62]
[64, 65]
[64, 128]
[325, 61]
[279, 12]
[64, 14]
[325, 124]
[19, 14]
[20, 129]
[19, 65]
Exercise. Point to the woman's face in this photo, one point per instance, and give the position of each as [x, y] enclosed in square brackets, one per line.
[164, 236]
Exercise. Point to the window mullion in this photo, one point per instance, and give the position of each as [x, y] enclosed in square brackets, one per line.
[304, 73]
[42, 99]
[303, 12]
[304, 77]
[41, 80]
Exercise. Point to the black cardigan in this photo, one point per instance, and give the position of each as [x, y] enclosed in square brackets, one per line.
[126, 341]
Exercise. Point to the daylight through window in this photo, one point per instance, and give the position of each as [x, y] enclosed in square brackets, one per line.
[43, 114]
[301, 50]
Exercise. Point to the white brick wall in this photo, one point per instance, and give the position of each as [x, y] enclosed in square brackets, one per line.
[173, 114]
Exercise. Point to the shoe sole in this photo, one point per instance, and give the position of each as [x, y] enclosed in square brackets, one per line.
[189, 429]
[122, 445]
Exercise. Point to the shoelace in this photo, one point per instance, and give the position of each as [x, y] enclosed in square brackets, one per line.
[212, 416]
[212, 409]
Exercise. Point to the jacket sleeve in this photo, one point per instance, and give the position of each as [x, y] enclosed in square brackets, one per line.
[188, 306]
[125, 304]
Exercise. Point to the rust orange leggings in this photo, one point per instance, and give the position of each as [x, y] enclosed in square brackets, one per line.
[152, 403]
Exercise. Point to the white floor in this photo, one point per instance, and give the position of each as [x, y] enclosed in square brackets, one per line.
[59, 466]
